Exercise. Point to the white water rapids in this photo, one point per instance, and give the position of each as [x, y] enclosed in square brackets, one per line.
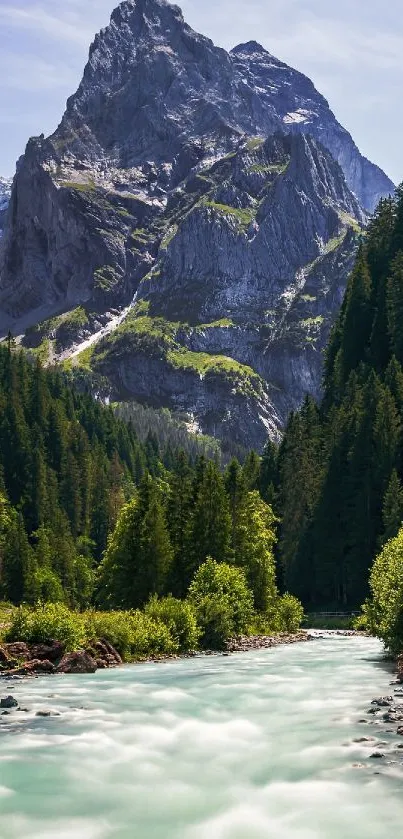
[253, 746]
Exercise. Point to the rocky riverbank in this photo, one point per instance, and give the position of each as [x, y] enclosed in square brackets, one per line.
[18, 659]
[384, 718]
[244, 643]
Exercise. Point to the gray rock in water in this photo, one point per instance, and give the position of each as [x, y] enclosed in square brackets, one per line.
[8, 702]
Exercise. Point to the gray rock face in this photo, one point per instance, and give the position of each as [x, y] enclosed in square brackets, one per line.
[159, 183]
[300, 108]
[5, 192]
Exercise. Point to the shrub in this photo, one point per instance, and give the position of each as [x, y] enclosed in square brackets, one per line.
[45, 587]
[290, 613]
[133, 634]
[384, 612]
[52, 621]
[179, 617]
[222, 602]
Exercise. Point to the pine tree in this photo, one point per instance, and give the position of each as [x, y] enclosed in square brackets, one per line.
[156, 554]
[179, 509]
[392, 512]
[395, 306]
[17, 561]
[210, 525]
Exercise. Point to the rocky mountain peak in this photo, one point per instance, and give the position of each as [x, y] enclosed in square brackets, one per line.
[216, 190]
[249, 48]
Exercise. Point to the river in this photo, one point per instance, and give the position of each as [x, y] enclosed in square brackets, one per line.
[252, 746]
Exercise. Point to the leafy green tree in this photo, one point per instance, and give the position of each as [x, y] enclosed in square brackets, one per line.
[256, 536]
[384, 611]
[222, 602]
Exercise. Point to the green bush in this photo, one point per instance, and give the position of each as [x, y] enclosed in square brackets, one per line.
[45, 587]
[52, 621]
[133, 634]
[179, 617]
[150, 637]
[290, 613]
[222, 601]
[383, 614]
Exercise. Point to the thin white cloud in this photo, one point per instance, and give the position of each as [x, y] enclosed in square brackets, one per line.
[55, 26]
[29, 73]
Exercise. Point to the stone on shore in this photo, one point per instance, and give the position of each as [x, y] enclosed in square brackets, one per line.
[78, 662]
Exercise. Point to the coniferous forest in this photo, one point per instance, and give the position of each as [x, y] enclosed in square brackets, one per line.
[337, 477]
[92, 517]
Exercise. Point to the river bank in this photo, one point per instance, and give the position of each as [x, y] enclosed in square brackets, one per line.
[19, 659]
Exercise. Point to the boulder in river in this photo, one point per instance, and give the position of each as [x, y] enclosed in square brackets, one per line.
[8, 702]
[78, 662]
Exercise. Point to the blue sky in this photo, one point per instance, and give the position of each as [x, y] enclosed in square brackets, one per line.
[352, 49]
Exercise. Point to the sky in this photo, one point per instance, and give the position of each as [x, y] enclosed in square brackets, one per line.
[351, 49]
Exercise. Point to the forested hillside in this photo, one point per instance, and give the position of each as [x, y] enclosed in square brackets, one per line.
[338, 473]
[91, 516]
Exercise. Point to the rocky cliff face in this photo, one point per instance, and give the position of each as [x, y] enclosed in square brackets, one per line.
[159, 184]
[5, 192]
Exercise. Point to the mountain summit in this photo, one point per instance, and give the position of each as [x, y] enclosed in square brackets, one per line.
[190, 224]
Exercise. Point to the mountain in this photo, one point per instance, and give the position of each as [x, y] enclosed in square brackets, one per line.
[5, 192]
[159, 185]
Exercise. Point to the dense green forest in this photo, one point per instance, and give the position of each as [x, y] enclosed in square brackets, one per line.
[90, 516]
[336, 480]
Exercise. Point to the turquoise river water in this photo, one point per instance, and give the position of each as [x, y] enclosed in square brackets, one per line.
[252, 746]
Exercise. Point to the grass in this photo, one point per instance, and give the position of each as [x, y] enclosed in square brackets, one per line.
[106, 277]
[160, 333]
[79, 186]
[6, 612]
[349, 221]
[83, 360]
[254, 143]
[169, 236]
[140, 235]
[243, 217]
[308, 298]
[309, 322]
[269, 169]
[203, 364]
[334, 243]
[44, 352]
[74, 319]
[220, 324]
[139, 322]
[318, 622]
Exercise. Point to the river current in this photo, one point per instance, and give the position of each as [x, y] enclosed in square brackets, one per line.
[252, 746]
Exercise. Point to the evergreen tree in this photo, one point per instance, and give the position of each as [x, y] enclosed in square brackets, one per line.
[210, 524]
[392, 512]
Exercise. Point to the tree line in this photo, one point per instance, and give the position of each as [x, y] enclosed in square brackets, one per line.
[92, 516]
[336, 479]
